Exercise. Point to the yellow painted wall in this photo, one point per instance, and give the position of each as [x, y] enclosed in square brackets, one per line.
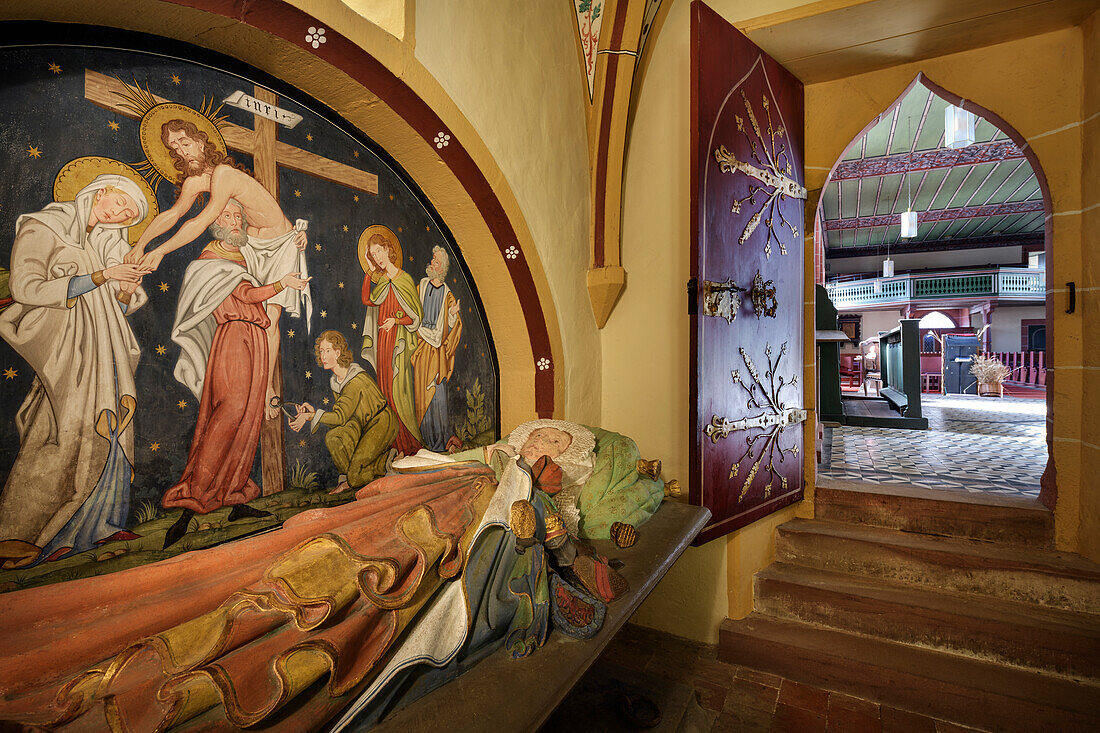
[1088, 293]
[514, 71]
[1035, 84]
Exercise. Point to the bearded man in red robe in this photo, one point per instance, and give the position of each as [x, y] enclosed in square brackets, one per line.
[221, 326]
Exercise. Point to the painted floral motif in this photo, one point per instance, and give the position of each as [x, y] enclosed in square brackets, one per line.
[442, 140]
[512, 252]
[315, 36]
[589, 21]
[543, 364]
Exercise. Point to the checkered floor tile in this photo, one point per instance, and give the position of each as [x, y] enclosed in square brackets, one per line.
[975, 444]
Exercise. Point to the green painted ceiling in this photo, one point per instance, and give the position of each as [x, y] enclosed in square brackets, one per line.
[916, 125]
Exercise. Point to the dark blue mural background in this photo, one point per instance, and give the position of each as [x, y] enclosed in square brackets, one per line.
[45, 121]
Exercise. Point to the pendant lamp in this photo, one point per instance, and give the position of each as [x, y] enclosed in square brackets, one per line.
[958, 127]
[908, 217]
[908, 224]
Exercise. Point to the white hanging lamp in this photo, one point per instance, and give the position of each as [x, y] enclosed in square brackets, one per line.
[908, 217]
[958, 127]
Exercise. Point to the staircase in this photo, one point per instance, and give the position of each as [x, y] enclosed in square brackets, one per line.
[932, 602]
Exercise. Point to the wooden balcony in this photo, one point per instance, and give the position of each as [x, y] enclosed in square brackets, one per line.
[999, 284]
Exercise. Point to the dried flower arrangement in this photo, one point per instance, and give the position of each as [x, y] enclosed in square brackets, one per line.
[988, 369]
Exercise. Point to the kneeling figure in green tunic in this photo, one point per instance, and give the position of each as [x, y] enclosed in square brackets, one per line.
[361, 425]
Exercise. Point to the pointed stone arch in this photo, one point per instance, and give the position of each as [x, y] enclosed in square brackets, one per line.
[1048, 486]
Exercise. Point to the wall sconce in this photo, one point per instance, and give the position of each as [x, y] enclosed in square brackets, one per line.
[958, 127]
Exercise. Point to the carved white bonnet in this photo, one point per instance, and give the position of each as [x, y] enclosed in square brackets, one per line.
[579, 450]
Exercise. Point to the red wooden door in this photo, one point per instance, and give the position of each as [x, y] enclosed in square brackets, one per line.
[747, 248]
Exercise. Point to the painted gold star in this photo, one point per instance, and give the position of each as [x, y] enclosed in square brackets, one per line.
[427, 229]
[55, 68]
[33, 151]
[175, 79]
[181, 404]
[297, 194]
[354, 326]
[324, 400]
[410, 258]
[317, 246]
[355, 153]
[340, 285]
[161, 350]
[356, 197]
[290, 334]
[113, 125]
[309, 374]
[345, 227]
[400, 229]
[309, 136]
[324, 313]
[10, 373]
[154, 447]
[163, 287]
[391, 197]
[302, 443]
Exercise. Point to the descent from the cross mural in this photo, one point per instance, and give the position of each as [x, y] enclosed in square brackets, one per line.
[205, 313]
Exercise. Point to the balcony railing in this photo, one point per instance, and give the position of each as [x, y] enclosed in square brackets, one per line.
[1001, 284]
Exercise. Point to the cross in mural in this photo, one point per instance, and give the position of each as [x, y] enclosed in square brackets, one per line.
[268, 154]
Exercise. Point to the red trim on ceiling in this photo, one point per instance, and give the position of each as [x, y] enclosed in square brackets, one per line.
[289, 23]
[963, 212]
[992, 152]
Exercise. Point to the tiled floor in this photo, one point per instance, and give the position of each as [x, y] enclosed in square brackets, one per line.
[740, 699]
[976, 444]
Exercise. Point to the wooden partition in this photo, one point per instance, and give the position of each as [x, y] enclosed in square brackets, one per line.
[1025, 367]
[899, 351]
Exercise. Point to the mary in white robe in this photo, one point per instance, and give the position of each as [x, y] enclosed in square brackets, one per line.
[70, 483]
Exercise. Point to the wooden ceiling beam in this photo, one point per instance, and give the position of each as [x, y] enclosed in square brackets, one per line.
[964, 212]
[1030, 239]
[899, 163]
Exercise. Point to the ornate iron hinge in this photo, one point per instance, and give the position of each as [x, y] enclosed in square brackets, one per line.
[721, 427]
[723, 300]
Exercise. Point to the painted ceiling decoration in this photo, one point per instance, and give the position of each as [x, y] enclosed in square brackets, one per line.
[647, 23]
[589, 22]
[978, 196]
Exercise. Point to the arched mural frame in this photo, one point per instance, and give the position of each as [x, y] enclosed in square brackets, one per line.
[1048, 493]
[460, 179]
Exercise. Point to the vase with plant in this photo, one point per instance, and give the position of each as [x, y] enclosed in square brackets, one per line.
[991, 374]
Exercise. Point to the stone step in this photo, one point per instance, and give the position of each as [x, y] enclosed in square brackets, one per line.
[934, 683]
[1022, 574]
[1014, 520]
[1026, 635]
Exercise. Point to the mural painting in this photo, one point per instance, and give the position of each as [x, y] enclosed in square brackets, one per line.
[218, 309]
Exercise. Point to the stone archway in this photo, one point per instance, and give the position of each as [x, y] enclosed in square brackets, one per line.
[1048, 487]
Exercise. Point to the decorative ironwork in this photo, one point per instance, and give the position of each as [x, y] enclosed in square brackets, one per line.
[722, 300]
[776, 415]
[773, 172]
[763, 297]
